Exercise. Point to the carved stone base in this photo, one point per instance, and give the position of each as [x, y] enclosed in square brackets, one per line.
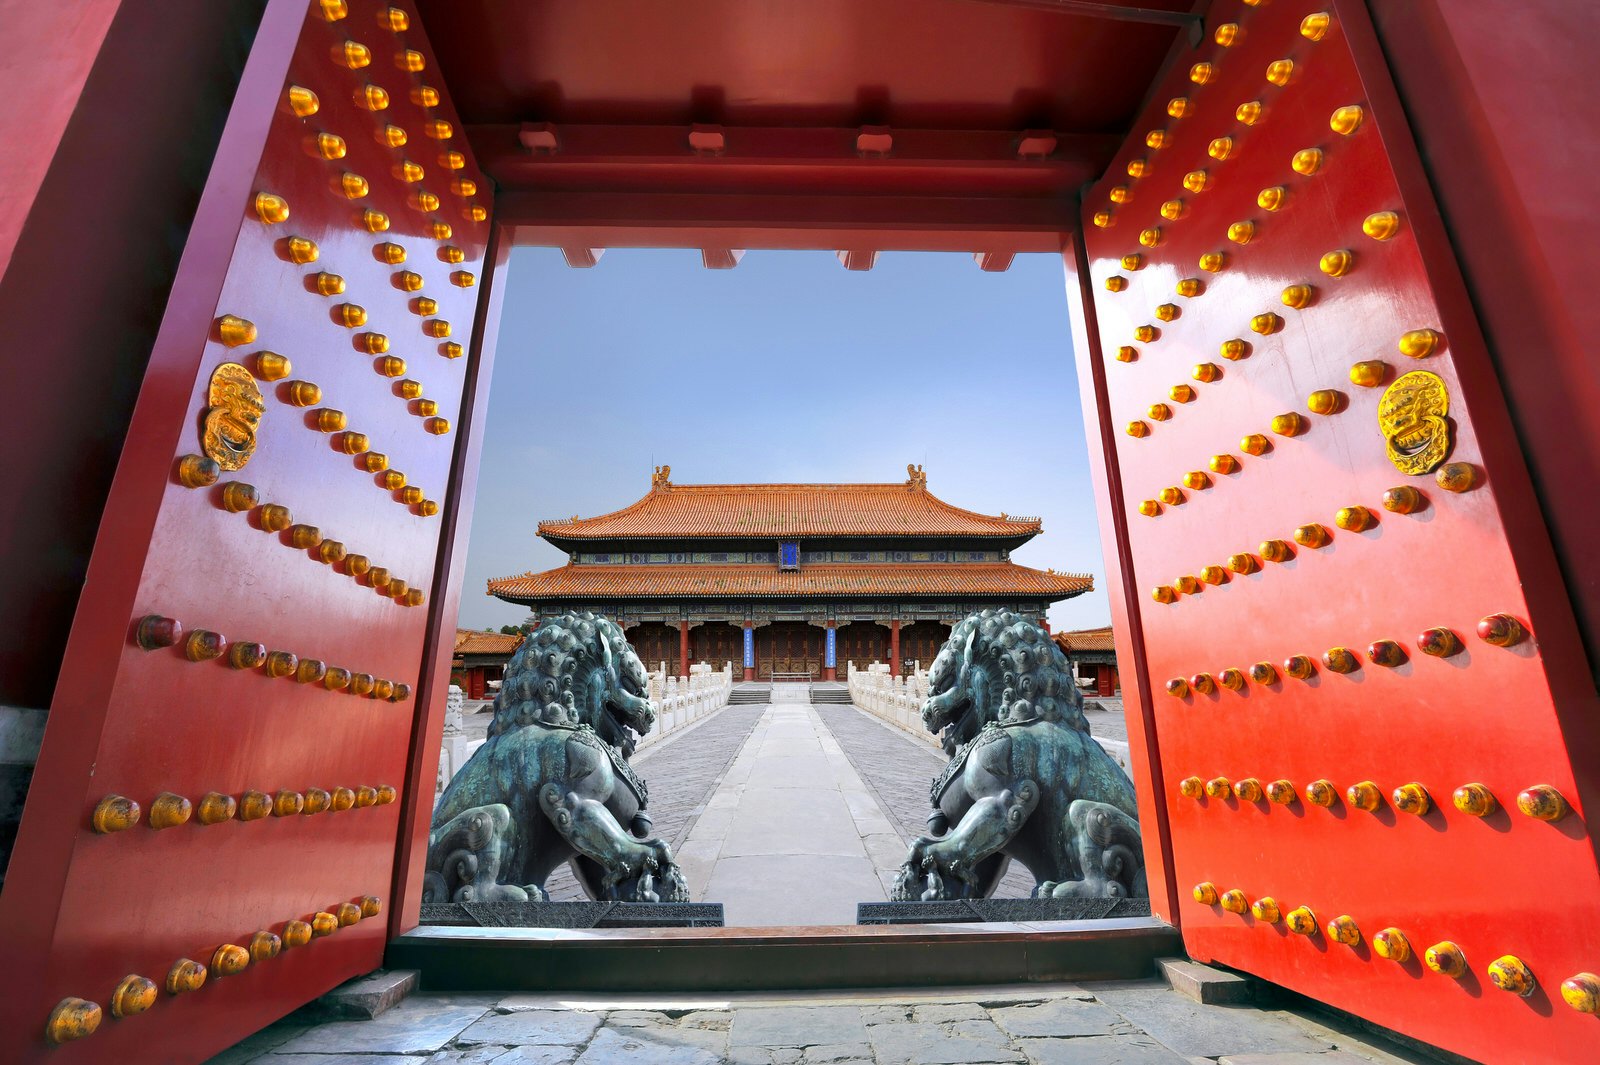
[574, 914]
[1020, 910]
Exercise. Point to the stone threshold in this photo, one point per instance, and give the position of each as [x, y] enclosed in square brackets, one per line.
[773, 959]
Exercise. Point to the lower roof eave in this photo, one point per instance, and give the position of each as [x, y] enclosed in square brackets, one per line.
[877, 601]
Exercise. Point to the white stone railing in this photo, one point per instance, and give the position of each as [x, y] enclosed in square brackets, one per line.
[898, 701]
[457, 745]
[680, 701]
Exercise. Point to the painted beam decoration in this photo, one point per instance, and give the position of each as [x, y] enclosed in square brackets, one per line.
[1358, 732]
[248, 740]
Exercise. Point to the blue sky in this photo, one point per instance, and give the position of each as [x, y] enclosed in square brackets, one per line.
[787, 368]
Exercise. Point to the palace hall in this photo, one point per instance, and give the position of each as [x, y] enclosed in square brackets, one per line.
[790, 578]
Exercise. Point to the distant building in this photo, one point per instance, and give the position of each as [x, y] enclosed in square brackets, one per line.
[1092, 654]
[789, 578]
[481, 657]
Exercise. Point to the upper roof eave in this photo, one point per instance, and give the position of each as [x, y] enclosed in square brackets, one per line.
[789, 511]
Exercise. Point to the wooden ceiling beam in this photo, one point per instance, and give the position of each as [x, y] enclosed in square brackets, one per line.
[868, 160]
[992, 228]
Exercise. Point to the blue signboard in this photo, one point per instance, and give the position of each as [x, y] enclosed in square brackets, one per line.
[832, 638]
[789, 554]
[749, 648]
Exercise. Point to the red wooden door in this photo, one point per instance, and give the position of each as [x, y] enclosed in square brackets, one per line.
[248, 652]
[1335, 582]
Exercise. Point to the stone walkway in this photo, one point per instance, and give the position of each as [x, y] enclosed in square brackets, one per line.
[1136, 1023]
[792, 836]
[790, 814]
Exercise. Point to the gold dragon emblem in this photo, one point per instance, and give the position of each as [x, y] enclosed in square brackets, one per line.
[233, 413]
[1414, 419]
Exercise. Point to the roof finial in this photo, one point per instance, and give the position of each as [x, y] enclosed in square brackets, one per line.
[915, 477]
[661, 478]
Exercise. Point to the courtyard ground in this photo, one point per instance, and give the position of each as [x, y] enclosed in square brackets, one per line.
[789, 814]
[1129, 1023]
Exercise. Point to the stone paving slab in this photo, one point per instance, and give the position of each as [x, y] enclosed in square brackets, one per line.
[1058, 1019]
[1133, 1023]
[1331, 1057]
[932, 1044]
[788, 889]
[348, 1059]
[646, 1047]
[485, 1055]
[792, 836]
[420, 1025]
[1190, 1028]
[1100, 1050]
[798, 1026]
[532, 1027]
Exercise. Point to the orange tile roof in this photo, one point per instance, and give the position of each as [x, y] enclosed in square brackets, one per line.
[694, 511]
[1086, 640]
[474, 642]
[716, 581]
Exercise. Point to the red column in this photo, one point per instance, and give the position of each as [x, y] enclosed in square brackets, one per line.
[683, 648]
[750, 670]
[830, 672]
[1044, 623]
[894, 647]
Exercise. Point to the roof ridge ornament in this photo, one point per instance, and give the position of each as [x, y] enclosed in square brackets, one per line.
[661, 478]
[915, 477]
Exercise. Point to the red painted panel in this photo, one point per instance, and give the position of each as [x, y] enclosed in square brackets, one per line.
[1505, 717]
[906, 63]
[85, 910]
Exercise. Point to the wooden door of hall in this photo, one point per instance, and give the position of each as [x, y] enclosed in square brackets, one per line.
[717, 644]
[1366, 729]
[793, 647]
[237, 773]
[657, 643]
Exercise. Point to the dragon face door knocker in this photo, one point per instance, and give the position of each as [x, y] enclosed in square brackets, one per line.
[233, 414]
[1025, 780]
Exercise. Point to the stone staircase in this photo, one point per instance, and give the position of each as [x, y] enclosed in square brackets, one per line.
[830, 692]
[745, 693]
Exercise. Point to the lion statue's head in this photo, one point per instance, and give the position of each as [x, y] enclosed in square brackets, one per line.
[576, 669]
[998, 666]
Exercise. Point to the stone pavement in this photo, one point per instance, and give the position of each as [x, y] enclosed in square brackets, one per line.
[1129, 1023]
[790, 814]
[1107, 723]
[792, 835]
